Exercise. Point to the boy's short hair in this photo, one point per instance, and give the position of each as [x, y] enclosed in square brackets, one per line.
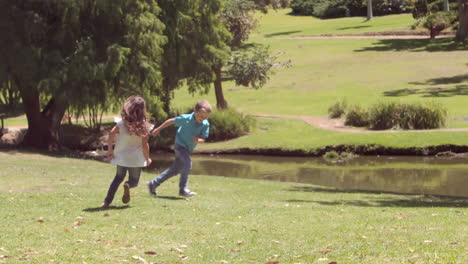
[203, 105]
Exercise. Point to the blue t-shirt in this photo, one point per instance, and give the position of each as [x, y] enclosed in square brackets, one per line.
[188, 128]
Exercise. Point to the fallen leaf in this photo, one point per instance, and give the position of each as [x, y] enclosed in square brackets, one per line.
[322, 259]
[40, 219]
[273, 262]
[275, 241]
[239, 242]
[183, 257]
[66, 230]
[427, 241]
[151, 253]
[77, 223]
[106, 214]
[235, 250]
[3, 256]
[325, 251]
[333, 262]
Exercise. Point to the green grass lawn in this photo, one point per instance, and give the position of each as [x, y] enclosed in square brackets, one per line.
[281, 24]
[361, 71]
[50, 215]
[292, 134]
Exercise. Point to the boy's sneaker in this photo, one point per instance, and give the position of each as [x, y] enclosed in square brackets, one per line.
[126, 195]
[187, 193]
[151, 189]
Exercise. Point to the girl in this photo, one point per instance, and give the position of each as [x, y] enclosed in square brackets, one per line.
[131, 151]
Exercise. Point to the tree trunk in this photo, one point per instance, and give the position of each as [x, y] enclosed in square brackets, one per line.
[462, 33]
[43, 127]
[221, 103]
[369, 10]
[446, 5]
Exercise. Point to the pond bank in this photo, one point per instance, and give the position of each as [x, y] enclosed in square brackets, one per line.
[371, 149]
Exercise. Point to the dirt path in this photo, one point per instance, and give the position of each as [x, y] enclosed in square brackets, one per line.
[338, 125]
[320, 122]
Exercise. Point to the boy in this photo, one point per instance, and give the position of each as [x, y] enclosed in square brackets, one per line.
[192, 129]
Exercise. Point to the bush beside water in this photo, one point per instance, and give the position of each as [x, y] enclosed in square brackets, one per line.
[228, 124]
[392, 115]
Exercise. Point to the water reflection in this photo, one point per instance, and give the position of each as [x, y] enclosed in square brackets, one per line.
[415, 175]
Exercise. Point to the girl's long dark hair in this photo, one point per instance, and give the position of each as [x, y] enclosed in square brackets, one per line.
[134, 116]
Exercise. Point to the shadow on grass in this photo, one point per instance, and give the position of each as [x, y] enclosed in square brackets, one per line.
[175, 198]
[282, 33]
[410, 200]
[99, 209]
[416, 45]
[356, 27]
[458, 90]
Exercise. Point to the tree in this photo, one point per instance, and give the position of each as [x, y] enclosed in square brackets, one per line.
[462, 33]
[369, 10]
[196, 45]
[248, 68]
[446, 6]
[76, 52]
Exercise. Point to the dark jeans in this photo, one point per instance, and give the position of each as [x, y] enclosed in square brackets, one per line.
[133, 179]
[182, 164]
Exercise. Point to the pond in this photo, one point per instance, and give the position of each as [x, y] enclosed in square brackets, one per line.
[401, 174]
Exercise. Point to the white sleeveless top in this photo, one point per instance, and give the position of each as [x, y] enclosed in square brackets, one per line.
[128, 151]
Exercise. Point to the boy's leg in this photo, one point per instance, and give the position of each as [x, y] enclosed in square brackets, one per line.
[118, 179]
[165, 175]
[133, 179]
[184, 172]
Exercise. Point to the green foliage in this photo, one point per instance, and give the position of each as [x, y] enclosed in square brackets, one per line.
[252, 67]
[440, 20]
[331, 155]
[357, 116]
[407, 116]
[424, 8]
[81, 54]
[196, 44]
[338, 109]
[228, 124]
[238, 17]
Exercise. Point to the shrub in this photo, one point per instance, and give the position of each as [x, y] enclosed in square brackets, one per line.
[420, 116]
[227, 124]
[381, 116]
[337, 110]
[302, 7]
[357, 116]
[407, 116]
[439, 21]
[331, 155]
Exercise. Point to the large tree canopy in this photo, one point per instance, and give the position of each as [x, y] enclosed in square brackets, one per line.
[76, 52]
[196, 43]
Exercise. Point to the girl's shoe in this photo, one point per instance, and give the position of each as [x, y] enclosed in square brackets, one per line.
[126, 195]
[105, 205]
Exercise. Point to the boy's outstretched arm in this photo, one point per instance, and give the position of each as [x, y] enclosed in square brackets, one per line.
[146, 149]
[166, 123]
[110, 142]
